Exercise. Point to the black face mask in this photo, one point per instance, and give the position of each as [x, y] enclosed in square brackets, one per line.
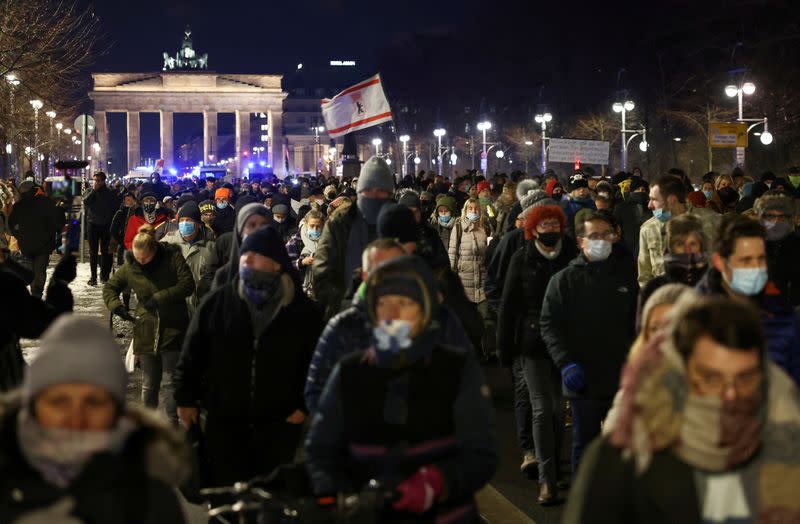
[687, 269]
[638, 198]
[549, 239]
[149, 208]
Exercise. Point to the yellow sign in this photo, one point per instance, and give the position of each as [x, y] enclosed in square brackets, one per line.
[721, 134]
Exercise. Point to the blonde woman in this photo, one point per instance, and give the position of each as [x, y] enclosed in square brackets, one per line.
[162, 281]
[467, 251]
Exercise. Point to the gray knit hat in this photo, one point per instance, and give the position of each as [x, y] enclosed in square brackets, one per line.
[246, 211]
[375, 174]
[535, 198]
[77, 350]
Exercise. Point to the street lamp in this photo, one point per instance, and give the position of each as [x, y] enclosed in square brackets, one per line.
[439, 133]
[453, 158]
[377, 143]
[483, 127]
[36, 104]
[543, 119]
[417, 160]
[746, 88]
[623, 108]
[13, 82]
[499, 153]
[404, 139]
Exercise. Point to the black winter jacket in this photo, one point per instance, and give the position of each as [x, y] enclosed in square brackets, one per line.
[34, 221]
[102, 204]
[588, 318]
[526, 281]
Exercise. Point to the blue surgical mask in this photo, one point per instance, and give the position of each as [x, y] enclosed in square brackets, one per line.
[314, 234]
[708, 194]
[222, 205]
[662, 214]
[445, 219]
[186, 229]
[472, 216]
[748, 281]
[391, 337]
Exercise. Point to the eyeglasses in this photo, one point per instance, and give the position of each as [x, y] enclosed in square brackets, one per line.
[549, 225]
[714, 383]
[606, 235]
[774, 217]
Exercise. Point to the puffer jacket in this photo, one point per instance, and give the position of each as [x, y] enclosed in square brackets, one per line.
[170, 282]
[133, 486]
[468, 242]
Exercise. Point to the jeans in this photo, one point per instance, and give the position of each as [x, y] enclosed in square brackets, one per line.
[587, 414]
[99, 237]
[547, 403]
[522, 406]
[153, 367]
[39, 265]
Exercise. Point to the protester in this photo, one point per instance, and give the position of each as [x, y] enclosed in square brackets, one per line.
[445, 218]
[519, 342]
[407, 391]
[655, 313]
[101, 204]
[119, 224]
[698, 430]
[587, 343]
[162, 281]
[632, 212]
[144, 214]
[74, 450]
[303, 245]
[225, 215]
[778, 213]
[579, 198]
[244, 363]
[283, 221]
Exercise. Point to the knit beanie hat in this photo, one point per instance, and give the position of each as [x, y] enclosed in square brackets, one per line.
[551, 185]
[247, 211]
[76, 350]
[375, 174]
[484, 185]
[207, 206]
[185, 197]
[280, 209]
[267, 241]
[223, 192]
[534, 198]
[577, 181]
[449, 202]
[190, 210]
[147, 190]
[409, 199]
[397, 221]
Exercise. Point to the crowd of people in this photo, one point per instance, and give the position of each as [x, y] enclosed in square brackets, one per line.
[348, 323]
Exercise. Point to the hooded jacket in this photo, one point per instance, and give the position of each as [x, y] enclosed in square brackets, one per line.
[131, 487]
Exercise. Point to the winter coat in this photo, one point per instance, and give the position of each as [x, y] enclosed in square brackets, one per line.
[571, 208]
[468, 257]
[197, 255]
[101, 204]
[503, 213]
[136, 220]
[119, 225]
[299, 247]
[443, 230]
[233, 374]
[784, 271]
[351, 330]
[526, 281]
[779, 320]
[224, 220]
[133, 486]
[607, 489]
[431, 248]
[588, 317]
[34, 222]
[170, 282]
[219, 257]
[630, 214]
[652, 237]
[23, 315]
[497, 263]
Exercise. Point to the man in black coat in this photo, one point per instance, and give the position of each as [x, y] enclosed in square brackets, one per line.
[632, 212]
[244, 363]
[101, 204]
[35, 221]
[587, 324]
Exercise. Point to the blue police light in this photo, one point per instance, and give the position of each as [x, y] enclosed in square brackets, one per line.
[250, 165]
[173, 171]
[295, 181]
[263, 163]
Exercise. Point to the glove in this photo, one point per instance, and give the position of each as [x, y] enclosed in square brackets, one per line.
[151, 305]
[420, 490]
[66, 268]
[58, 513]
[573, 378]
[123, 313]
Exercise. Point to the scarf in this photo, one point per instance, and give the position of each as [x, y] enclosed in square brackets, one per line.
[60, 455]
[755, 440]
[309, 246]
[263, 314]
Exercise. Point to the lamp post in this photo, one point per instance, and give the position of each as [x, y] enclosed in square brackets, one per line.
[51, 115]
[543, 119]
[13, 82]
[623, 108]
[483, 127]
[746, 88]
[317, 131]
[439, 133]
[404, 140]
[36, 104]
[377, 143]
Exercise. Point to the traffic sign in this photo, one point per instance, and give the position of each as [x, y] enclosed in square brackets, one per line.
[574, 151]
[79, 123]
[723, 134]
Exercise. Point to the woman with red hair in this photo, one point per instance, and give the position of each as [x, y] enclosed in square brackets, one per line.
[546, 251]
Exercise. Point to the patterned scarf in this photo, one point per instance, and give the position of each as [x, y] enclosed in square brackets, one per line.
[756, 439]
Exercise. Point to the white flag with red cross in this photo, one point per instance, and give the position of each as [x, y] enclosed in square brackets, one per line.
[358, 107]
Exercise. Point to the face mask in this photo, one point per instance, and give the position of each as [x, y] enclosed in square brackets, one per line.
[258, 286]
[186, 228]
[314, 234]
[279, 220]
[597, 250]
[391, 337]
[444, 219]
[222, 205]
[473, 217]
[320, 202]
[748, 281]
[662, 214]
[604, 194]
[149, 208]
[777, 230]
[549, 239]
[708, 194]
[687, 268]
[370, 208]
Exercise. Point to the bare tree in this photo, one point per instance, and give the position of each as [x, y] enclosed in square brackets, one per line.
[596, 126]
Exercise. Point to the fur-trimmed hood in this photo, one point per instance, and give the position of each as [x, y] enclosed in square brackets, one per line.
[525, 186]
[166, 454]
